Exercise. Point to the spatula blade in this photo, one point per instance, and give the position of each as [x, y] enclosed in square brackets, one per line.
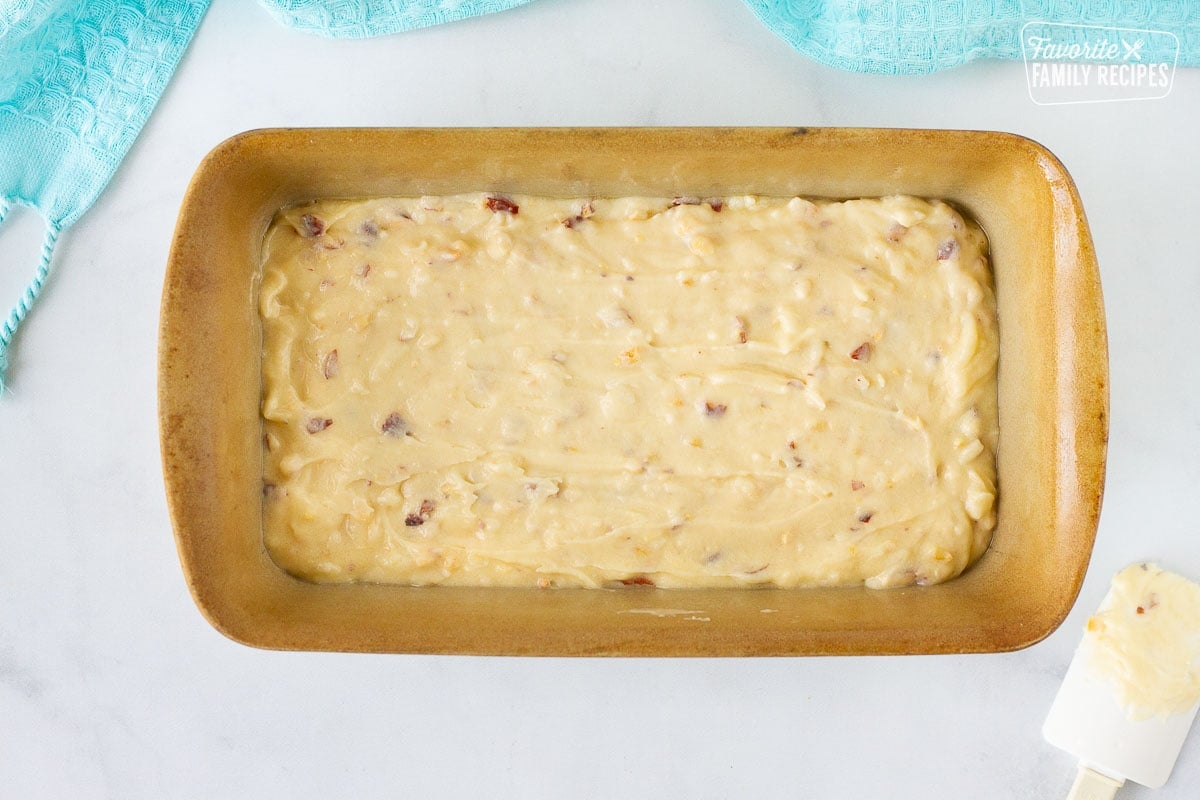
[1087, 721]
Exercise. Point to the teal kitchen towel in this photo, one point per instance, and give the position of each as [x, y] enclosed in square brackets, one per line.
[362, 19]
[880, 36]
[78, 78]
[912, 37]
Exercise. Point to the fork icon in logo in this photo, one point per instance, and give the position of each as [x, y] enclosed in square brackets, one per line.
[1133, 51]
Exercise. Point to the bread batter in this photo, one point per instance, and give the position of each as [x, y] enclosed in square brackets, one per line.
[520, 391]
[1145, 640]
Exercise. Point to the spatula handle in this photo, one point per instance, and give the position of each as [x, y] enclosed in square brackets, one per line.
[1092, 785]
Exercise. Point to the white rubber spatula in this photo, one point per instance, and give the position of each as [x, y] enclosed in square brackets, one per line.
[1087, 722]
[1137, 648]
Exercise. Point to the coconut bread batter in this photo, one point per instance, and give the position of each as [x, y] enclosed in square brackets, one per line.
[520, 391]
[1145, 640]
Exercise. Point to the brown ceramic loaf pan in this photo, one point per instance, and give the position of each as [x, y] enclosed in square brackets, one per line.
[1053, 390]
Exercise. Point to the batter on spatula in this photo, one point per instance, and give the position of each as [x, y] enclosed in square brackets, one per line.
[1145, 640]
[1133, 687]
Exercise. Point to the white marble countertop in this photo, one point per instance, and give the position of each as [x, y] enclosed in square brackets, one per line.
[111, 683]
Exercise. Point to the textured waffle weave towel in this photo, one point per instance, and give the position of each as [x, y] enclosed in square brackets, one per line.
[78, 78]
[361, 19]
[911, 37]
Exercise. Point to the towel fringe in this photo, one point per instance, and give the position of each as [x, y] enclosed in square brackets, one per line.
[31, 293]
